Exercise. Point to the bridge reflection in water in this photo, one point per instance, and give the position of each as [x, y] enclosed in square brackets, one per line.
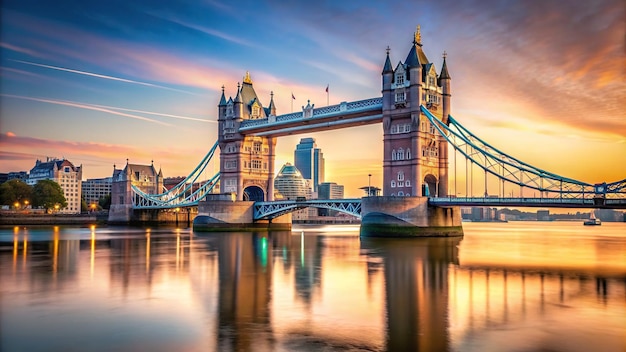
[501, 287]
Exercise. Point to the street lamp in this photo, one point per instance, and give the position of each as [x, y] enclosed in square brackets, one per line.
[93, 207]
[369, 185]
[56, 207]
[16, 205]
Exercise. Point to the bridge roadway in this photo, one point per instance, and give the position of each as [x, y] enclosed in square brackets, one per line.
[597, 203]
[271, 210]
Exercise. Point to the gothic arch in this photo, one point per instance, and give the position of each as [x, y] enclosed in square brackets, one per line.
[429, 188]
[253, 194]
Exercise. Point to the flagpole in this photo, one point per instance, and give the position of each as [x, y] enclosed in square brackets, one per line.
[291, 101]
[327, 95]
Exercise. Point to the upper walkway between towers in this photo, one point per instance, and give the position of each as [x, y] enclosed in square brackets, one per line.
[311, 119]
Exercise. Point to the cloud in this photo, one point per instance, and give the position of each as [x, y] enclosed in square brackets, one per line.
[206, 30]
[85, 106]
[153, 113]
[101, 156]
[91, 74]
[18, 49]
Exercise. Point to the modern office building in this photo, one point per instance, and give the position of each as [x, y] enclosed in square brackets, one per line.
[63, 172]
[309, 159]
[291, 184]
[330, 190]
[95, 188]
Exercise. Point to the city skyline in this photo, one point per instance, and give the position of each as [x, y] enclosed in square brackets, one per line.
[100, 83]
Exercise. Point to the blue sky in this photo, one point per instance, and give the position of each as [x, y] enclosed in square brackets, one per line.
[98, 82]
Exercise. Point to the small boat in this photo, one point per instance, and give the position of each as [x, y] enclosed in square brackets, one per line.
[592, 221]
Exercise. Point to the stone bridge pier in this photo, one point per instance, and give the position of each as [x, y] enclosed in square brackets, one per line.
[408, 217]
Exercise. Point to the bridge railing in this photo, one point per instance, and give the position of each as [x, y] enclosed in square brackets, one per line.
[271, 210]
[318, 113]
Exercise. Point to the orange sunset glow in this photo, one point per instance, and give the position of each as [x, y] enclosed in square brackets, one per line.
[542, 81]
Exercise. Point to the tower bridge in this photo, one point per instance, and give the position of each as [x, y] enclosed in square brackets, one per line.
[417, 193]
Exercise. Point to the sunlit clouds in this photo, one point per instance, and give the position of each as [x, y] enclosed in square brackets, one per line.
[99, 156]
[542, 81]
[97, 75]
[85, 106]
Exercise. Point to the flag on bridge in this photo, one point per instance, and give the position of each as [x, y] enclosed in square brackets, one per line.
[327, 95]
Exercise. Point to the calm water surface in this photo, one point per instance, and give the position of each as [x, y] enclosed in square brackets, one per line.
[533, 286]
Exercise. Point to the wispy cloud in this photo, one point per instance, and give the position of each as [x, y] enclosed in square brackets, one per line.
[99, 156]
[154, 113]
[85, 106]
[206, 30]
[18, 49]
[97, 75]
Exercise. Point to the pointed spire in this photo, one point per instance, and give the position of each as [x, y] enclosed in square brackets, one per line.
[247, 78]
[417, 39]
[238, 97]
[444, 69]
[272, 107]
[387, 68]
[223, 98]
[416, 55]
[412, 60]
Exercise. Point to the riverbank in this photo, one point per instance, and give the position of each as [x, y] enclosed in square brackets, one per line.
[10, 219]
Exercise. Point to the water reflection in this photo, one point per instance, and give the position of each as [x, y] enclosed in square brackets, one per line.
[505, 287]
[416, 290]
[245, 286]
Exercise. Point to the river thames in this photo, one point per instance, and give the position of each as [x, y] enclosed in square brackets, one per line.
[517, 286]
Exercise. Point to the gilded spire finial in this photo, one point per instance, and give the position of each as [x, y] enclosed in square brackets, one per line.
[247, 79]
[418, 35]
[388, 49]
[445, 54]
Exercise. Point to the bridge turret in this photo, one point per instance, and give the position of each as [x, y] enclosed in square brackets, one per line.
[238, 104]
[272, 107]
[222, 105]
[444, 83]
[387, 81]
[413, 63]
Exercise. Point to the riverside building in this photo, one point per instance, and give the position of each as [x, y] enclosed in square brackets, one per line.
[63, 172]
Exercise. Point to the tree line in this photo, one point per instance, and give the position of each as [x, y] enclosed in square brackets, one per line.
[46, 194]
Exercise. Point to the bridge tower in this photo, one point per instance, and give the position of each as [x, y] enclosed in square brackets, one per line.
[246, 162]
[415, 161]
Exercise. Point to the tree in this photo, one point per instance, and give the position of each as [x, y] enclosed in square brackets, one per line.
[47, 194]
[83, 206]
[15, 191]
[105, 202]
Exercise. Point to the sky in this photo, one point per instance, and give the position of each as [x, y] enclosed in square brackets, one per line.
[100, 82]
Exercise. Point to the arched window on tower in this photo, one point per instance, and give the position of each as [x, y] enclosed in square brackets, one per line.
[400, 154]
[393, 154]
[399, 78]
[400, 175]
[256, 111]
[408, 153]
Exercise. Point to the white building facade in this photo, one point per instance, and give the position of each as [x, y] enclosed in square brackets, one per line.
[63, 172]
